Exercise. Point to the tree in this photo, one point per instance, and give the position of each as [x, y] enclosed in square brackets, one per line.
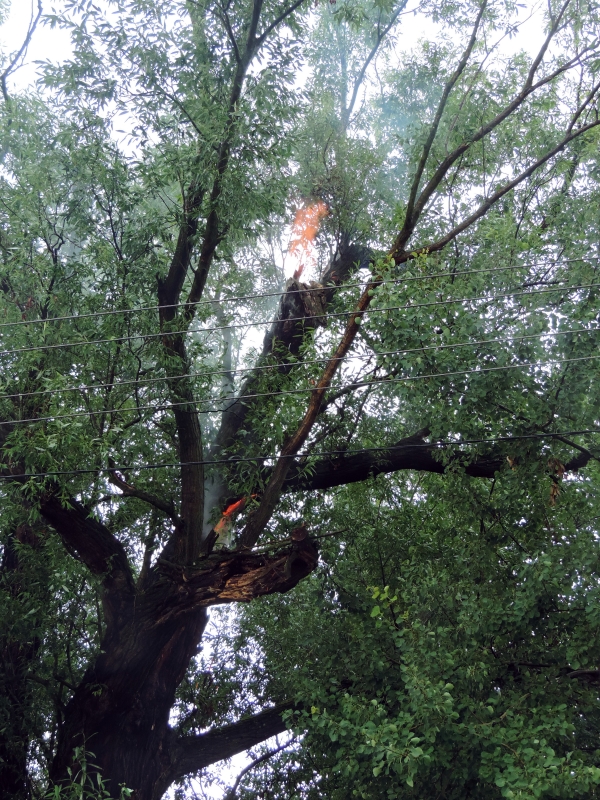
[452, 331]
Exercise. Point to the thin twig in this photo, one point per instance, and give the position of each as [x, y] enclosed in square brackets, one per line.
[231, 794]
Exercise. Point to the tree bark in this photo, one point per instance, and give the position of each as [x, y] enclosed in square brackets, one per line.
[411, 453]
[298, 314]
[118, 717]
[17, 653]
[193, 753]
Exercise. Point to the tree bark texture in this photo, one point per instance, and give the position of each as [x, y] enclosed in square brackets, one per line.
[119, 714]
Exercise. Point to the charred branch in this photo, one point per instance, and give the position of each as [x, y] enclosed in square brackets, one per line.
[282, 343]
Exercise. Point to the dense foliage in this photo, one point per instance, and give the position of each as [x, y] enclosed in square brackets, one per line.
[403, 479]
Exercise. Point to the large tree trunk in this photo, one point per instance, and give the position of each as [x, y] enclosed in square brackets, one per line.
[118, 717]
[19, 646]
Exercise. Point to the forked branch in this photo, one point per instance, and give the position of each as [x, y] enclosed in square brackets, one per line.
[415, 207]
[482, 210]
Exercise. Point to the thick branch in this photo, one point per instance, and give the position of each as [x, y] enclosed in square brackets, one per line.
[281, 349]
[194, 753]
[227, 577]
[214, 232]
[169, 289]
[411, 453]
[184, 546]
[95, 545]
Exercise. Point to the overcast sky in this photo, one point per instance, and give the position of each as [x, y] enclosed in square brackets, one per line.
[54, 44]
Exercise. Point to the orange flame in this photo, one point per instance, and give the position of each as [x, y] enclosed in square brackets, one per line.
[305, 228]
[228, 514]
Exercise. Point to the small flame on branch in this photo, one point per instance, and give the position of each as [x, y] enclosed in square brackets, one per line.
[223, 526]
[305, 228]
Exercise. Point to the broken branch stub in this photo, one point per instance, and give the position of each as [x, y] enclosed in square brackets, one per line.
[230, 577]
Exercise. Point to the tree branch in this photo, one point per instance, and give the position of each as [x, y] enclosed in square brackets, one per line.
[582, 459]
[181, 107]
[95, 545]
[411, 453]
[22, 50]
[227, 577]
[409, 222]
[259, 518]
[169, 288]
[131, 491]
[194, 753]
[213, 233]
[284, 14]
[230, 34]
[497, 195]
[361, 75]
[232, 793]
[593, 93]
[413, 214]
[282, 349]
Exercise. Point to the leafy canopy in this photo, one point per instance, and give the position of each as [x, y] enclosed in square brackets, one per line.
[447, 643]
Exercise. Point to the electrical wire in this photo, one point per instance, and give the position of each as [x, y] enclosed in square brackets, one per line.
[282, 292]
[357, 385]
[359, 314]
[325, 453]
[240, 370]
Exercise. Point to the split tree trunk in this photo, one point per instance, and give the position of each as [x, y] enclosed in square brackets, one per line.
[118, 718]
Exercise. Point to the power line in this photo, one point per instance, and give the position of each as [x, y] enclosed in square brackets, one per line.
[357, 385]
[239, 370]
[121, 339]
[282, 292]
[235, 460]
